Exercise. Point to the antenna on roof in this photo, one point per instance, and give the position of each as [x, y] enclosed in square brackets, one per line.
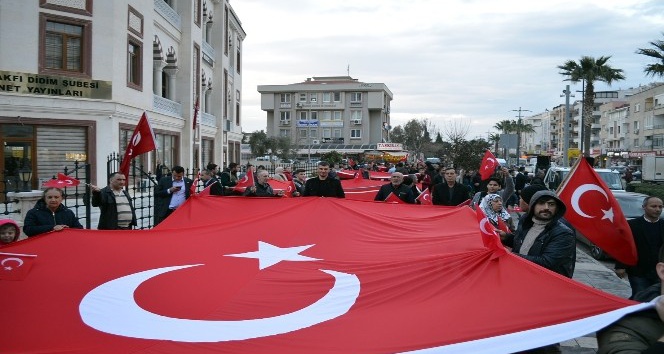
[348, 69]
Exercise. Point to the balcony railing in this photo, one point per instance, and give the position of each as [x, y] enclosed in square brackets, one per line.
[166, 106]
[208, 53]
[168, 13]
[209, 120]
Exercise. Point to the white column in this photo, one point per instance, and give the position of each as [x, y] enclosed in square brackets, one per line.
[157, 67]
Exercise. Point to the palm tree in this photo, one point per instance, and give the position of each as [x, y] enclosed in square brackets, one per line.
[656, 69]
[504, 126]
[494, 138]
[589, 70]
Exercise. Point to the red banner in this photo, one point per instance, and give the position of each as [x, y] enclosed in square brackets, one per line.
[141, 141]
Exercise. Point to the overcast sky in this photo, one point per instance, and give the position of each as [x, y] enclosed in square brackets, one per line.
[474, 61]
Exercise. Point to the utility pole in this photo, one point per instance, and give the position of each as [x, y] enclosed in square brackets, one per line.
[582, 122]
[567, 95]
[518, 132]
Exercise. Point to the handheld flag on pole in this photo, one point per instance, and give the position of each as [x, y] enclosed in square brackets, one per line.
[63, 181]
[488, 166]
[197, 107]
[141, 141]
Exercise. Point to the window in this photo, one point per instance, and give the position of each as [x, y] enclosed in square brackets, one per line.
[356, 115]
[313, 97]
[285, 98]
[336, 133]
[285, 115]
[355, 134]
[636, 142]
[327, 115]
[337, 96]
[356, 96]
[327, 96]
[302, 133]
[303, 97]
[337, 115]
[65, 46]
[313, 115]
[238, 56]
[284, 133]
[303, 115]
[197, 13]
[327, 133]
[637, 107]
[134, 64]
[167, 145]
[314, 133]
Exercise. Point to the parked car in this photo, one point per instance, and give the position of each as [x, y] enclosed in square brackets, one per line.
[631, 206]
[555, 175]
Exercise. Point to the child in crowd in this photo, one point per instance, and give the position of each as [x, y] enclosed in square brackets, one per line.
[9, 231]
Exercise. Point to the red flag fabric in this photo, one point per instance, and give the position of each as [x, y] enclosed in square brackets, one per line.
[206, 191]
[393, 198]
[197, 107]
[287, 186]
[425, 197]
[249, 282]
[346, 174]
[351, 162]
[383, 176]
[594, 211]
[244, 182]
[466, 203]
[63, 181]
[490, 238]
[141, 141]
[361, 189]
[359, 174]
[194, 185]
[488, 165]
[502, 226]
[14, 266]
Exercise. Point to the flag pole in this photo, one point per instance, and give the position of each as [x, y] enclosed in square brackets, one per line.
[566, 179]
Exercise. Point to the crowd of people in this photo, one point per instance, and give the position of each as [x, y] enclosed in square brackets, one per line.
[540, 234]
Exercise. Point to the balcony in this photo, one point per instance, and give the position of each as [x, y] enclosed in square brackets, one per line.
[165, 106]
[284, 122]
[208, 53]
[209, 120]
[168, 14]
[333, 140]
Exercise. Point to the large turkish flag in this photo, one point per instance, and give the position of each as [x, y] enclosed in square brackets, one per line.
[594, 211]
[274, 275]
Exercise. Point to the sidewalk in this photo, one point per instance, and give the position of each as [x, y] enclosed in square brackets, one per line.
[593, 273]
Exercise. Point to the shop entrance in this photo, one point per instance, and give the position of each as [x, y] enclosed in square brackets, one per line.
[17, 160]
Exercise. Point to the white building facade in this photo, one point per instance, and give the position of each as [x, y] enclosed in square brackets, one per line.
[76, 76]
[323, 114]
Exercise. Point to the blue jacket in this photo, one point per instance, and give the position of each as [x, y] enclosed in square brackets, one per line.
[41, 219]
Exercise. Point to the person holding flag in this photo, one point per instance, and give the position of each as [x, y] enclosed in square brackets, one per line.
[49, 214]
[209, 181]
[492, 206]
[397, 188]
[115, 205]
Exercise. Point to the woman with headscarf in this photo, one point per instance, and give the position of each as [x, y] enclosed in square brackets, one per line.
[492, 206]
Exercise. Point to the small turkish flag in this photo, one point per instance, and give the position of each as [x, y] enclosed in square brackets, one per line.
[502, 226]
[244, 182]
[141, 141]
[594, 211]
[425, 197]
[63, 181]
[394, 199]
[192, 189]
[466, 203]
[490, 238]
[15, 266]
[488, 166]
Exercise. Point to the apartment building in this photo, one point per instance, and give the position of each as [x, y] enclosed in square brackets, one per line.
[322, 114]
[75, 77]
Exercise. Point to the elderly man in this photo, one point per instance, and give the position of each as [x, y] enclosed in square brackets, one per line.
[323, 185]
[115, 207]
[396, 187]
[261, 188]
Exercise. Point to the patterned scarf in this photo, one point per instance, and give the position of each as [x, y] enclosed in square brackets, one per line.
[488, 209]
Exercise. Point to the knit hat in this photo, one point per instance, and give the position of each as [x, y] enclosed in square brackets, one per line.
[528, 192]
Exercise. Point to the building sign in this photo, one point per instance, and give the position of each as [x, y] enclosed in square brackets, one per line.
[33, 84]
[389, 146]
[332, 123]
[637, 154]
[307, 123]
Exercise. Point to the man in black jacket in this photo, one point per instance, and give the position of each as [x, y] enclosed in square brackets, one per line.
[323, 185]
[449, 192]
[543, 238]
[207, 176]
[639, 332]
[115, 205]
[648, 233]
[170, 193]
[397, 188]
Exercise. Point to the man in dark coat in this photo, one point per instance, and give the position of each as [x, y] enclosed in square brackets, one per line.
[543, 238]
[450, 192]
[648, 233]
[170, 193]
[323, 185]
[115, 205]
[207, 176]
[397, 188]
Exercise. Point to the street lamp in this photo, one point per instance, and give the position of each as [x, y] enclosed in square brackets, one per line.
[567, 95]
[518, 133]
[25, 175]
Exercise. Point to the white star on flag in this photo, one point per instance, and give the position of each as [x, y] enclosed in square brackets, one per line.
[608, 214]
[269, 255]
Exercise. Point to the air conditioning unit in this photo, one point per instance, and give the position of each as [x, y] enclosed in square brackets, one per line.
[636, 131]
[357, 121]
[315, 141]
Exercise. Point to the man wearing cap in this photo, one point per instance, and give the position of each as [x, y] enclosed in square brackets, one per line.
[542, 237]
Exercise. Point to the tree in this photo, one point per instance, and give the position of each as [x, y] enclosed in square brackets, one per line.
[258, 143]
[656, 69]
[397, 135]
[495, 139]
[505, 126]
[332, 157]
[589, 70]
